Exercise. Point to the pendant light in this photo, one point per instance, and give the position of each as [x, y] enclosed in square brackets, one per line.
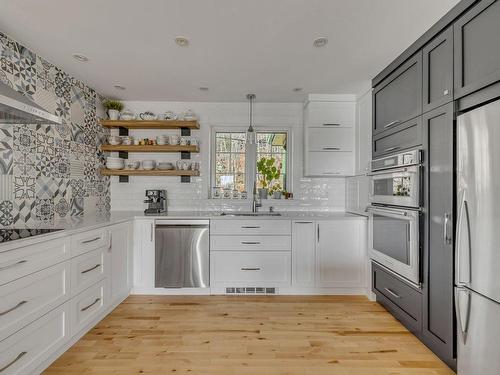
[250, 130]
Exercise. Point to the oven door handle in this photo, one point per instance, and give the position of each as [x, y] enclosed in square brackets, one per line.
[390, 171]
[387, 211]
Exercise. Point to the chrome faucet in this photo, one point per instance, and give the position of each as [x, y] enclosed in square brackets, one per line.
[256, 202]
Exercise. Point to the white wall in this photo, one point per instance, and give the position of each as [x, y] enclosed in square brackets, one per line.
[326, 194]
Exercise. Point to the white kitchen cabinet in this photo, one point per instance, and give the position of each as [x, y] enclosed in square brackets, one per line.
[330, 113]
[87, 269]
[144, 253]
[363, 134]
[22, 352]
[329, 137]
[303, 253]
[340, 255]
[120, 249]
[250, 268]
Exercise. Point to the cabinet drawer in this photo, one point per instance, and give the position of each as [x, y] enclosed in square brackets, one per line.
[252, 268]
[398, 98]
[237, 227]
[329, 164]
[256, 243]
[340, 139]
[330, 114]
[22, 261]
[87, 241]
[88, 305]
[28, 298]
[398, 292]
[394, 142]
[27, 349]
[87, 269]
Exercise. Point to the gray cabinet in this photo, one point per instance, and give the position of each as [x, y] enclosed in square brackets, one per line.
[401, 299]
[398, 98]
[437, 58]
[398, 139]
[438, 318]
[477, 48]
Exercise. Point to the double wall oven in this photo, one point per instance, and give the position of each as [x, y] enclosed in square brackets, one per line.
[395, 204]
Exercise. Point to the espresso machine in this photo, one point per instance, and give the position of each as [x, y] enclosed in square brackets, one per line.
[157, 202]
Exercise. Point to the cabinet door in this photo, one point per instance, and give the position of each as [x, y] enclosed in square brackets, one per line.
[328, 164]
[303, 253]
[399, 97]
[438, 71]
[477, 48]
[363, 134]
[339, 253]
[144, 253]
[121, 262]
[438, 317]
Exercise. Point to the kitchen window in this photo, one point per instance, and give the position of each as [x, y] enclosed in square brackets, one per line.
[234, 162]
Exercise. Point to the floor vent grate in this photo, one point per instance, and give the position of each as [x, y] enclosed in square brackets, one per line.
[251, 290]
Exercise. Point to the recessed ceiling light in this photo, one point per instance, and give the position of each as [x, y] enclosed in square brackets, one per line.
[119, 87]
[80, 57]
[181, 41]
[297, 89]
[320, 42]
[203, 88]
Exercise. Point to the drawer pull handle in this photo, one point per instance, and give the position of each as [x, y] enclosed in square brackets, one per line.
[395, 295]
[391, 124]
[91, 240]
[250, 227]
[392, 149]
[327, 173]
[331, 124]
[13, 308]
[19, 356]
[250, 269]
[329, 148]
[13, 265]
[89, 306]
[250, 243]
[91, 269]
[303, 222]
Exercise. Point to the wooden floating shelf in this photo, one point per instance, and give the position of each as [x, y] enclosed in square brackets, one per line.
[150, 148]
[153, 124]
[142, 172]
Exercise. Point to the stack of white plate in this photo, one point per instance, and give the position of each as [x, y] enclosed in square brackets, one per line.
[114, 163]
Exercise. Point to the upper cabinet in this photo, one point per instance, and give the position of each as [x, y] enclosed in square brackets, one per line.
[438, 71]
[329, 137]
[398, 97]
[477, 48]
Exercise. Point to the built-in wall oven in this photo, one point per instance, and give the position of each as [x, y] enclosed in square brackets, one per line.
[395, 214]
[395, 241]
[395, 180]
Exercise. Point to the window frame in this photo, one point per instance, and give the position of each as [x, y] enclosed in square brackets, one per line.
[251, 154]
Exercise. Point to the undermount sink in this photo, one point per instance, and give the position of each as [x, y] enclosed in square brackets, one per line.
[250, 214]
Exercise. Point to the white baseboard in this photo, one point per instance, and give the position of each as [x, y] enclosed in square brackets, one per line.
[222, 290]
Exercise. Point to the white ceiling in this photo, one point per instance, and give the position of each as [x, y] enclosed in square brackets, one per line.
[236, 46]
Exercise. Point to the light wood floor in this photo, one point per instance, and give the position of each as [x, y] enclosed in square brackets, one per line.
[225, 335]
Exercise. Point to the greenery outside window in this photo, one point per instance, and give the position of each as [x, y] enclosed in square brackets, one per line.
[234, 162]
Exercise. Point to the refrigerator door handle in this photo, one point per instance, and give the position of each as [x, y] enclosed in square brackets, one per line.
[462, 311]
[464, 209]
[446, 237]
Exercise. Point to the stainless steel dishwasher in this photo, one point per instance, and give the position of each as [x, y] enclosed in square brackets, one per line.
[182, 254]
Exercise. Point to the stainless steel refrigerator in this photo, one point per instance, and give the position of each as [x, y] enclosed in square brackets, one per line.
[477, 253]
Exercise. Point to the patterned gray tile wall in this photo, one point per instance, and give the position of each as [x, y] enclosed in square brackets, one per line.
[50, 172]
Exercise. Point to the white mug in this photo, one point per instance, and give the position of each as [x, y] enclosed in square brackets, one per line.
[174, 139]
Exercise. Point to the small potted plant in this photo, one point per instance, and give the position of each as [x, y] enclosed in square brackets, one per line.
[268, 173]
[276, 190]
[113, 108]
